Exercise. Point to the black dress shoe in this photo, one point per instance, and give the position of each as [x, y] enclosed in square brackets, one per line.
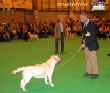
[108, 54]
[94, 76]
[86, 74]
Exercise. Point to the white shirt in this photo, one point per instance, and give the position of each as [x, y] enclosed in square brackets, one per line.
[86, 22]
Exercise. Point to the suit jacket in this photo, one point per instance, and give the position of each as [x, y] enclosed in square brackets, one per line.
[91, 40]
[57, 30]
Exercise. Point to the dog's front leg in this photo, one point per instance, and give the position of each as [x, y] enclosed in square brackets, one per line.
[23, 85]
[46, 80]
[50, 80]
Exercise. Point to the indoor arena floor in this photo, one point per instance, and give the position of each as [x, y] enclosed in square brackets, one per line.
[68, 78]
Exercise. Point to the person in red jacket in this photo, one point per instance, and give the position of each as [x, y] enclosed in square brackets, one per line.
[25, 32]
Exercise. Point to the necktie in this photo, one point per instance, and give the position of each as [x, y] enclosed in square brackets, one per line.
[84, 25]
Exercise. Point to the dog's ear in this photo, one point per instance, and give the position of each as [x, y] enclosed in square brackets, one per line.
[56, 57]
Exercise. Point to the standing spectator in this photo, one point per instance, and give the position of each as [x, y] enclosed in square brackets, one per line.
[59, 35]
[1, 33]
[25, 32]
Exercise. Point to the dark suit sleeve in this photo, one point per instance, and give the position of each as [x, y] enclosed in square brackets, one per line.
[82, 41]
[93, 31]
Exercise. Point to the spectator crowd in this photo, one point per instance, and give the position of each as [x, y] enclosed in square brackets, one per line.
[13, 31]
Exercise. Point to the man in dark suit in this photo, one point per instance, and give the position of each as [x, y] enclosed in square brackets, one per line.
[59, 35]
[90, 45]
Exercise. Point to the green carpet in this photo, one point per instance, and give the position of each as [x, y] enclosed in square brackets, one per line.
[68, 78]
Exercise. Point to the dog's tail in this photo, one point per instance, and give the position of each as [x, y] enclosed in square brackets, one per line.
[18, 70]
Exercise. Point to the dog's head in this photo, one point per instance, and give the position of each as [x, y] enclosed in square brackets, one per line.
[56, 58]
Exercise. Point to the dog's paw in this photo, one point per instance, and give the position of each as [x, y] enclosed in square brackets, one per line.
[24, 90]
[52, 85]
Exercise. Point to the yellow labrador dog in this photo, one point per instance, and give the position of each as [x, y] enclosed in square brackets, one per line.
[44, 70]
